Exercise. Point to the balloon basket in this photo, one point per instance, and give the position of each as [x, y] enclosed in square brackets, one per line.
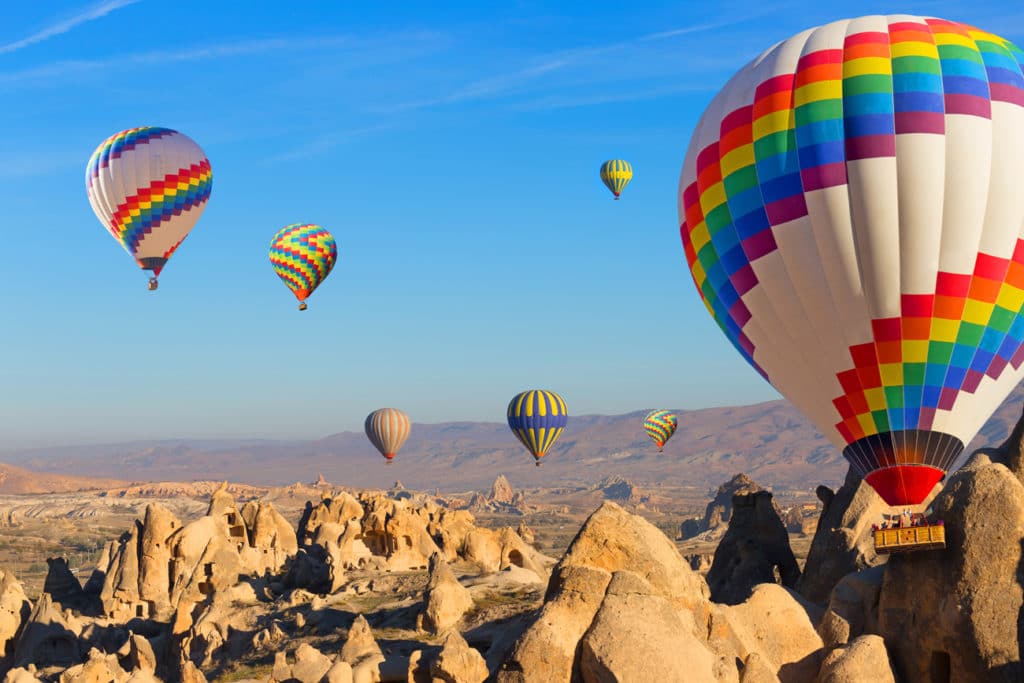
[303, 306]
[909, 538]
[152, 284]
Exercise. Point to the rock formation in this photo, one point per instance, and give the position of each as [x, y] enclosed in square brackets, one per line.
[310, 665]
[777, 625]
[842, 542]
[445, 599]
[501, 491]
[961, 617]
[49, 636]
[852, 608]
[61, 584]
[864, 659]
[802, 519]
[501, 498]
[458, 662]
[342, 533]
[661, 646]
[361, 652]
[610, 540]
[718, 512]
[622, 576]
[159, 563]
[618, 489]
[15, 609]
[754, 550]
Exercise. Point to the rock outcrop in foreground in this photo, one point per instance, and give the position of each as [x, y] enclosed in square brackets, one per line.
[623, 605]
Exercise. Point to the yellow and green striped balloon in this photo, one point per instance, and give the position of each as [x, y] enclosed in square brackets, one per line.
[537, 418]
[616, 174]
[660, 425]
[303, 255]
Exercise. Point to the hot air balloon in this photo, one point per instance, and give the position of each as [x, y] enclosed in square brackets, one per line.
[148, 186]
[660, 425]
[537, 418]
[387, 429]
[851, 213]
[616, 174]
[302, 256]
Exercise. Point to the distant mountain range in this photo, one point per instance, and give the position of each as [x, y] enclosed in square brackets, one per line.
[771, 442]
[18, 480]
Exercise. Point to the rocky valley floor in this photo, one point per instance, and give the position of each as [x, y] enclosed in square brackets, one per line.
[606, 582]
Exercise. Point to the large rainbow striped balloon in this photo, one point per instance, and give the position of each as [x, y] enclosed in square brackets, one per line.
[852, 210]
[148, 186]
[537, 418]
[303, 255]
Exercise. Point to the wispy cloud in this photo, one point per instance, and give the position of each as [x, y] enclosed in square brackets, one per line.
[97, 11]
[47, 74]
[325, 143]
[565, 101]
[502, 84]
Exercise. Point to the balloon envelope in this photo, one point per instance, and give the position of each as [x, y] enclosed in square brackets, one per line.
[616, 174]
[851, 212]
[303, 255]
[387, 429]
[537, 418]
[660, 425]
[148, 186]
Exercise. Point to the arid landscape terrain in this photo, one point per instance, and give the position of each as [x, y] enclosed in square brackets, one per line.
[108, 579]
[500, 544]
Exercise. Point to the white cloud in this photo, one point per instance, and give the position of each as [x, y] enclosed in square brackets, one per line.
[61, 27]
[47, 74]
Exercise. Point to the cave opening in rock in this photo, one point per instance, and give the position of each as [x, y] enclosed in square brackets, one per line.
[939, 668]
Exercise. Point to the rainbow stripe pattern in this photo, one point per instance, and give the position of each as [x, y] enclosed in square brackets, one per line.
[148, 186]
[537, 418]
[831, 180]
[660, 425]
[303, 255]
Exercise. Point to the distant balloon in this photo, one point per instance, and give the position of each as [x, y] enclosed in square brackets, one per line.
[851, 211]
[537, 418]
[387, 429]
[660, 425]
[616, 174]
[303, 255]
[148, 186]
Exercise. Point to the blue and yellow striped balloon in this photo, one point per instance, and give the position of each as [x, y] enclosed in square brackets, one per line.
[616, 174]
[537, 418]
[660, 425]
[303, 255]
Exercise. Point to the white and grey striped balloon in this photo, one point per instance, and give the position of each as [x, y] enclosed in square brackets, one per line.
[387, 429]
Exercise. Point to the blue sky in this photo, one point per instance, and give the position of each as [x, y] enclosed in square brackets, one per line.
[452, 149]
